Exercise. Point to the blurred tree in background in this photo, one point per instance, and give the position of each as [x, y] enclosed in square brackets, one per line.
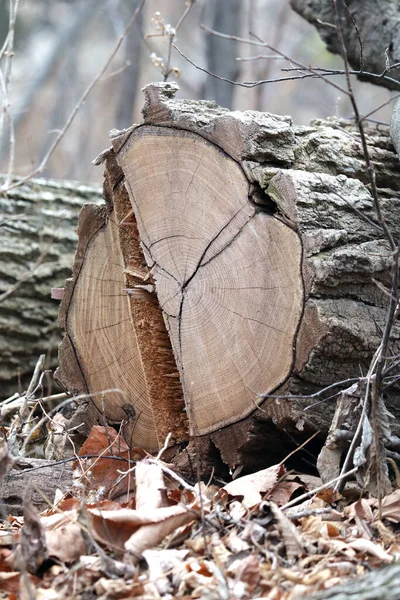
[60, 46]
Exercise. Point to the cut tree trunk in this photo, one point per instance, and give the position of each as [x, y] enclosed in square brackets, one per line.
[38, 217]
[232, 262]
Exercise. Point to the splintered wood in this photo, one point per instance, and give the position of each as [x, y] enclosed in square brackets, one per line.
[227, 276]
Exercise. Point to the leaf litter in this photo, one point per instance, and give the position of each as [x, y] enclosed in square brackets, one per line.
[131, 527]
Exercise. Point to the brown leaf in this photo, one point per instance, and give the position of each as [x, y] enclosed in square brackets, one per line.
[391, 507]
[116, 527]
[369, 547]
[66, 543]
[283, 491]
[248, 572]
[166, 520]
[290, 536]
[104, 472]
[253, 487]
[360, 509]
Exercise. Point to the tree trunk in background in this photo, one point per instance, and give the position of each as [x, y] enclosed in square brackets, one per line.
[130, 75]
[378, 24]
[243, 269]
[38, 215]
[224, 16]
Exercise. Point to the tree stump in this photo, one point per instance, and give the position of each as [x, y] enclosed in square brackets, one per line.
[236, 259]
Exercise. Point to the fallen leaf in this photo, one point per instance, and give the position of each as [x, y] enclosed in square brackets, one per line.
[65, 543]
[248, 572]
[283, 491]
[165, 521]
[105, 472]
[253, 487]
[369, 547]
[290, 536]
[150, 486]
[391, 507]
[116, 527]
[361, 509]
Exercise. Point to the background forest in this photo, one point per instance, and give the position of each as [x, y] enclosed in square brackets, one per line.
[60, 46]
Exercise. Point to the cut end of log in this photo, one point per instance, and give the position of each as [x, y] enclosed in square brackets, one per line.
[227, 276]
[120, 345]
[191, 297]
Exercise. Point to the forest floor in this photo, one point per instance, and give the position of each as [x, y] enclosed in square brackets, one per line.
[127, 525]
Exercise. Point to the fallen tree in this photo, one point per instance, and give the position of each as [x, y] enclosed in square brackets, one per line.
[37, 243]
[231, 275]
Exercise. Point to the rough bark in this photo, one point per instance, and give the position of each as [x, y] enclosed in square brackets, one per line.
[36, 216]
[34, 479]
[381, 584]
[310, 184]
[378, 24]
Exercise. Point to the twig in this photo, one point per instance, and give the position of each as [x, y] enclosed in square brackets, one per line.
[165, 446]
[8, 52]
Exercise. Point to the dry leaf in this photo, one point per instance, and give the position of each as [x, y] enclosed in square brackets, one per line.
[391, 507]
[162, 563]
[165, 521]
[105, 472]
[283, 491]
[117, 527]
[150, 486]
[253, 487]
[369, 547]
[361, 509]
[290, 536]
[248, 572]
[65, 543]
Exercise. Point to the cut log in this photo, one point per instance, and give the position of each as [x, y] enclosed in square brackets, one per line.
[38, 217]
[233, 263]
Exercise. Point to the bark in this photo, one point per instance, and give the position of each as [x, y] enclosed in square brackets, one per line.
[36, 478]
[36, 216]
[381, 584]
[306, 201]
[378, 24]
